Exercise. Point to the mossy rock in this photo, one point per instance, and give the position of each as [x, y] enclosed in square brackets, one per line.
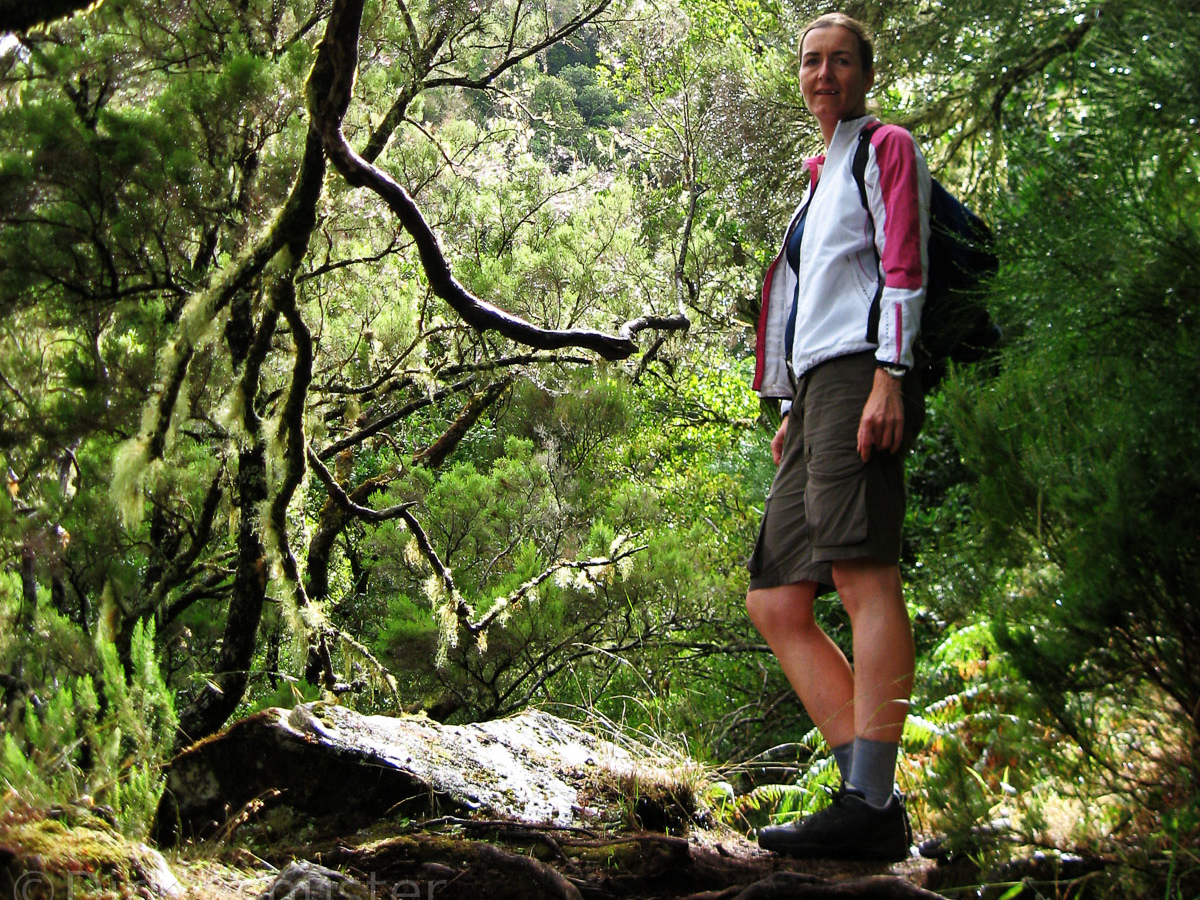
[79, 857]
[342, 771]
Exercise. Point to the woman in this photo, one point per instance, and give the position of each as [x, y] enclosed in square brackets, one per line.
[841, 312]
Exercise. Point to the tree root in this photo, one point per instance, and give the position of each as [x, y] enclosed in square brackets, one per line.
[532, 863]
[451, 868]
[799, 886]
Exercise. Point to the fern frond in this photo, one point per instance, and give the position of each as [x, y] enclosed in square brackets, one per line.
[766, 796]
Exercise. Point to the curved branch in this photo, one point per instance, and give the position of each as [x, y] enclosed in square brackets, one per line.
[437, 452]
[379, 424]
[342, 499]
[329, 91]
[17, 15]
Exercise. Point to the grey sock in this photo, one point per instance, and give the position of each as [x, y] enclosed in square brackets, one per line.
[844, 754]
[874, 770]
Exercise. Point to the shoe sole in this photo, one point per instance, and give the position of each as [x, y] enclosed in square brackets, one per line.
[844, 852]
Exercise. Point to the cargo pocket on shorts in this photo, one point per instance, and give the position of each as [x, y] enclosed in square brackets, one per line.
[835, 504]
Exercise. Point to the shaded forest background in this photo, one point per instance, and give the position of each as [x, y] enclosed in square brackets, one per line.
[400, 353]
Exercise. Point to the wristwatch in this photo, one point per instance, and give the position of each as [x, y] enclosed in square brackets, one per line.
[894, 371]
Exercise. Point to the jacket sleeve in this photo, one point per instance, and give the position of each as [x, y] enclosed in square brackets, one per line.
[898, 186]
[770, 369]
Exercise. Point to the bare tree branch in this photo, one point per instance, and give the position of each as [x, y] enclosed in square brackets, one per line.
[329, 92]
[437, 452]
[17, 15]
[496, 71]
[490, 365]
[393, 247]
[383, 422]
[342, 499]
[502, 604]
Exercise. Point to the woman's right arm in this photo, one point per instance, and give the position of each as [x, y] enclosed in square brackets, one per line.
[777, 441]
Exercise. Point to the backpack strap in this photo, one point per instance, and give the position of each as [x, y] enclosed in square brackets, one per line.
[859, 167]
[861, 153]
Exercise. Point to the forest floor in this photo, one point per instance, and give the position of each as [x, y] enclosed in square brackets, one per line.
[82, 857]
[493, 860]
[526, 807]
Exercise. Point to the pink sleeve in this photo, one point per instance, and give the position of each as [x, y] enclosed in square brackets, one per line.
[895, 155]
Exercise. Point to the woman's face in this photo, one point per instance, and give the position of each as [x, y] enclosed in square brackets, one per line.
[831, 75]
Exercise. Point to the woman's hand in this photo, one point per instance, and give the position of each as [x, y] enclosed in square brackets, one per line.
[882, 423]
[777, 441]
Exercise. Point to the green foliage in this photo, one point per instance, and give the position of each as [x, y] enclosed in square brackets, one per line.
[643, 165]
[774, 802]
[1079, 554]
[565, 489]
[79, 745]
[573, 110]
[1065, 469]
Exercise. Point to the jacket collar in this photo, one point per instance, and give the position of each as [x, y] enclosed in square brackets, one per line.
[846, 133]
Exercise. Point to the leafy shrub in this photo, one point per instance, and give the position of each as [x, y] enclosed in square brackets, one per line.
[82, 745]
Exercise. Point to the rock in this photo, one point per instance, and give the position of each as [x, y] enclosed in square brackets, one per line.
[157, 875]
[42, 858]
[348, 769]
[303, 880]
[516, 809]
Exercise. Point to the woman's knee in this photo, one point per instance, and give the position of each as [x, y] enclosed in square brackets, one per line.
[867, 585]
[781, 610]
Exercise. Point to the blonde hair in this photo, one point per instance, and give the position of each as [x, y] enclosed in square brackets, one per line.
[866, 49]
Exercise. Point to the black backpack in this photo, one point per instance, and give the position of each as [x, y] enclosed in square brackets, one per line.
[955, 324]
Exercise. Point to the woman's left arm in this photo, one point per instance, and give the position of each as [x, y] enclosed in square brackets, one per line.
[898, 185]
[899, 200]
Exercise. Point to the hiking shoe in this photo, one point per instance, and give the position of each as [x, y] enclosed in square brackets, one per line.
[849, 828]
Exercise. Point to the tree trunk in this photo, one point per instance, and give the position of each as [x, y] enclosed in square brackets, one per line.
[223, 692]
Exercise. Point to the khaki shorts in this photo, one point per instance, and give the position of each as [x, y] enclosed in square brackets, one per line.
[825, 503]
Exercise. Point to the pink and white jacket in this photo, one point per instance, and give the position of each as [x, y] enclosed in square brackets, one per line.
[845, 270]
